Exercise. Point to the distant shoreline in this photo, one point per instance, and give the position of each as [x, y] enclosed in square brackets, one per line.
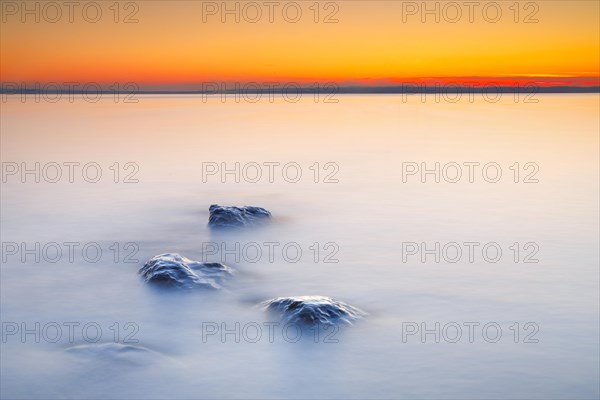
[405, 89]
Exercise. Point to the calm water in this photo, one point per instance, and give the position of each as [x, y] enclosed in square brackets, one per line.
[364, 218]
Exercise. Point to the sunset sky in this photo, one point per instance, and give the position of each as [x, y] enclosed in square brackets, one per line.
[372, 42]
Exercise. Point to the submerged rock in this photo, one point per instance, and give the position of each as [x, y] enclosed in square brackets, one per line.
[116, 352]
[171, 269]
[109, 349]
[313, 310]
[232, 217]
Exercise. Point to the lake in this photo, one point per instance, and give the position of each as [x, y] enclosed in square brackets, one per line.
[467, 231]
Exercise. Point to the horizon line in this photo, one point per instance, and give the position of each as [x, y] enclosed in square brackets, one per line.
[330, 89]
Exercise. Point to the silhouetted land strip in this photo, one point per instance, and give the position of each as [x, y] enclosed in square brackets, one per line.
[402, 89]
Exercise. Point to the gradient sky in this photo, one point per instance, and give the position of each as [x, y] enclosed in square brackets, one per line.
[370, 43]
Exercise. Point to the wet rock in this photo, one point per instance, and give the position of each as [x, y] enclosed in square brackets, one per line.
[173, 270]
[313, 310]
[235, 217]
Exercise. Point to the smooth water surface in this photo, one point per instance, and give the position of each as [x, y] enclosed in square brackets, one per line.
[364, 221]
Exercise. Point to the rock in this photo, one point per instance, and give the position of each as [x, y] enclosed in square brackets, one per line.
[117, 352]
[171, 269]
[313, 310]
[233, 217]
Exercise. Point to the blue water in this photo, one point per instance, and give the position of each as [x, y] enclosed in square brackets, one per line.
[354, 227]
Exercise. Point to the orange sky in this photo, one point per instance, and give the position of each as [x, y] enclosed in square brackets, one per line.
[372, 42]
